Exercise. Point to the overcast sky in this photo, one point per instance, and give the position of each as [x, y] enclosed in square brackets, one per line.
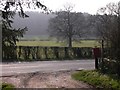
[90, 6]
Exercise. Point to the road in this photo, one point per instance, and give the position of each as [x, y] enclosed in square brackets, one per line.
[45, 66]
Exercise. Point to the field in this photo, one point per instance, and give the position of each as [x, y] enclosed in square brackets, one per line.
[83, 43]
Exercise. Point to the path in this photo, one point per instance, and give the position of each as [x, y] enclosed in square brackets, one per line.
[61, 79]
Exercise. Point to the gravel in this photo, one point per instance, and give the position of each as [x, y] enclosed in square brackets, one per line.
[61, 79]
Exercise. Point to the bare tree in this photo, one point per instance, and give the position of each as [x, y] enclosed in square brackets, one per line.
[67, 25]
[108, 25]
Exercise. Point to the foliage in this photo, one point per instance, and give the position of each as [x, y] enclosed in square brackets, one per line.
[106, 66]
[9, 34]
[98, 79]
[6, 86]
[9, 8]
[32, 53]
[108, 26]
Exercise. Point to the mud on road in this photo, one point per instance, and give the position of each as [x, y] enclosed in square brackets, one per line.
[61, 79]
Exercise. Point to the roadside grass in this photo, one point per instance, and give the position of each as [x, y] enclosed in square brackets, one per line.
[83, 43]
[97, 79]
[7, 86]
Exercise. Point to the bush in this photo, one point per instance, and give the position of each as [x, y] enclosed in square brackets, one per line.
[6, 86]
[109, 66]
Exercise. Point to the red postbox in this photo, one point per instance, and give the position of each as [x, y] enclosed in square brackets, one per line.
[97, 54]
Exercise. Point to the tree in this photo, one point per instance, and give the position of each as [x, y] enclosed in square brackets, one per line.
[67, 25]
[109, 29]
[110, 26]
[10, 35]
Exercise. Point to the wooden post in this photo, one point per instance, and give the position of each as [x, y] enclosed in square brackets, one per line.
[102, 51]
[102, 56]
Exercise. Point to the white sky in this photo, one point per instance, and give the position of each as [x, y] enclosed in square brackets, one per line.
[90, 6]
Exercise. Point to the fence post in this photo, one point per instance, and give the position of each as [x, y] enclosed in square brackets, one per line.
[102, 50]
[102, 56]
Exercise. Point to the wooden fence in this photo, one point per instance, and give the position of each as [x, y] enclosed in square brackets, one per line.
[45, 53]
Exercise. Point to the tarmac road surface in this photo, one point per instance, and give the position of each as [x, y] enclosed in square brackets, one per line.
[45, 66]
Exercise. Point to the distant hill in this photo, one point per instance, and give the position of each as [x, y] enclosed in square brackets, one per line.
[37, 23]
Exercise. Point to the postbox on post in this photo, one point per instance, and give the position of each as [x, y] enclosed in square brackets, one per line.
[97, 54]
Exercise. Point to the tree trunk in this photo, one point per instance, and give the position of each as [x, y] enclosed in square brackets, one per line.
[70, 41]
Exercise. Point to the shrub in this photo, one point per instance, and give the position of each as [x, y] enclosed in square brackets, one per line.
[6, 86]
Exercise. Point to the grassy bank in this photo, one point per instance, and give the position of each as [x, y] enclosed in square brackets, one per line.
[98, 79]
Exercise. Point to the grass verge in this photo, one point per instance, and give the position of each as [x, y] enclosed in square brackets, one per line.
[97, 79]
